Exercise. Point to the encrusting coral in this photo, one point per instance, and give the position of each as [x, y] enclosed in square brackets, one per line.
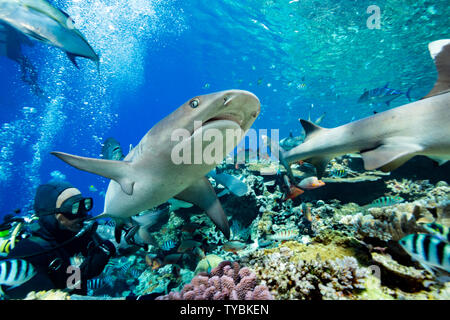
[228, 281]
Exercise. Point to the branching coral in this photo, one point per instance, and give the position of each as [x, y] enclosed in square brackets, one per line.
[228, 281]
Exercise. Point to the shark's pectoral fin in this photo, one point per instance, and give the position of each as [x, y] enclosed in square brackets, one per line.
[111, 169]
[202, 194]
[440, 52]
[388, 157]
[72, 59]
[320, 163]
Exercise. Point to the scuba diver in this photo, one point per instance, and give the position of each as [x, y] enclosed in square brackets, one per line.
[62, 235]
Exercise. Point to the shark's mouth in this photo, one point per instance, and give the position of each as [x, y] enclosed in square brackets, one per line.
[225, 121]
[228, 117]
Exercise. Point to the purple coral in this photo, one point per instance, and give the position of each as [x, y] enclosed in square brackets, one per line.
[228, 281]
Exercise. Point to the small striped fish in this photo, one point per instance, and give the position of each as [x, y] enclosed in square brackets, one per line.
[438, 230]
[125, 267]
[95, 284]
[15, 272]
[283, 235]
[338, 173]
[168, 245]
[429, 250]
[386, 201]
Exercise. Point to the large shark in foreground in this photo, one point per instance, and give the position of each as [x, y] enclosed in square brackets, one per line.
[148, 176]
[39, 20]
[388, 139]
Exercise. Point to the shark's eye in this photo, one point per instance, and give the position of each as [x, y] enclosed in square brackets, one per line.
[194, 103]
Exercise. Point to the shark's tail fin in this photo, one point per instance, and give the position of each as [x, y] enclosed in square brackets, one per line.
[440, 52]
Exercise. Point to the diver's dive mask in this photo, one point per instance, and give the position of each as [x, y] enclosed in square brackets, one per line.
[76, 207]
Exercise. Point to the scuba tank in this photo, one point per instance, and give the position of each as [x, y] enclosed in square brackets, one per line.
[12, 232]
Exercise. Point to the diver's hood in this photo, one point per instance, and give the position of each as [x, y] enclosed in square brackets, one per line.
[44, 206]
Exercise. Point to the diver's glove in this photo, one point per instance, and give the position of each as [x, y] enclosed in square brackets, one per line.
[100, 245]
[98, 255]
[108, 248]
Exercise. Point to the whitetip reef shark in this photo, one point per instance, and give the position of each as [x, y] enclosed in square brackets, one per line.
[148, 176]
[387, 139]
[41, 21]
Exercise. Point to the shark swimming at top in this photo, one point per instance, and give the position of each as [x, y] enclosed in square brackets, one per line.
[148, 175]
[388, 139]
[41, 21]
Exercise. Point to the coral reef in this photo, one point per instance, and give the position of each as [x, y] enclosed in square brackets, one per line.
[228, 281]
[335, 238]
[48, 295]
[308, 280]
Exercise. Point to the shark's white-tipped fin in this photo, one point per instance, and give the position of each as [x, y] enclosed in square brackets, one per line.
[111, 169]
[389, 157]
[440, 52]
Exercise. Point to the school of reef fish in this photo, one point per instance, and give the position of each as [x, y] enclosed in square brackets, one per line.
[308, 248]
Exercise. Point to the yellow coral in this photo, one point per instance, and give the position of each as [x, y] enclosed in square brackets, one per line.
[48, 295]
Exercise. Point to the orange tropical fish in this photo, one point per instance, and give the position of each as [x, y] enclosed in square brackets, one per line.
[153, 263]
[294, 192]
[311, 183]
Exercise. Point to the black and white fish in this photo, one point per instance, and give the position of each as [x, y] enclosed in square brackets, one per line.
[95, 284]
[430, 251]
[15, 272]
[168, 245]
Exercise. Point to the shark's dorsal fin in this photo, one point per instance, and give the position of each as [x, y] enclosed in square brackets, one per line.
[389, 156]
[440, 52]
[111, 169]
[310, 128]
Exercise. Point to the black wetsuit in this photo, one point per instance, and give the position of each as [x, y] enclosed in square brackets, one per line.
[52, 268]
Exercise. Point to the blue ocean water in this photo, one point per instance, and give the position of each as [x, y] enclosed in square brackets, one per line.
[155, 55]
